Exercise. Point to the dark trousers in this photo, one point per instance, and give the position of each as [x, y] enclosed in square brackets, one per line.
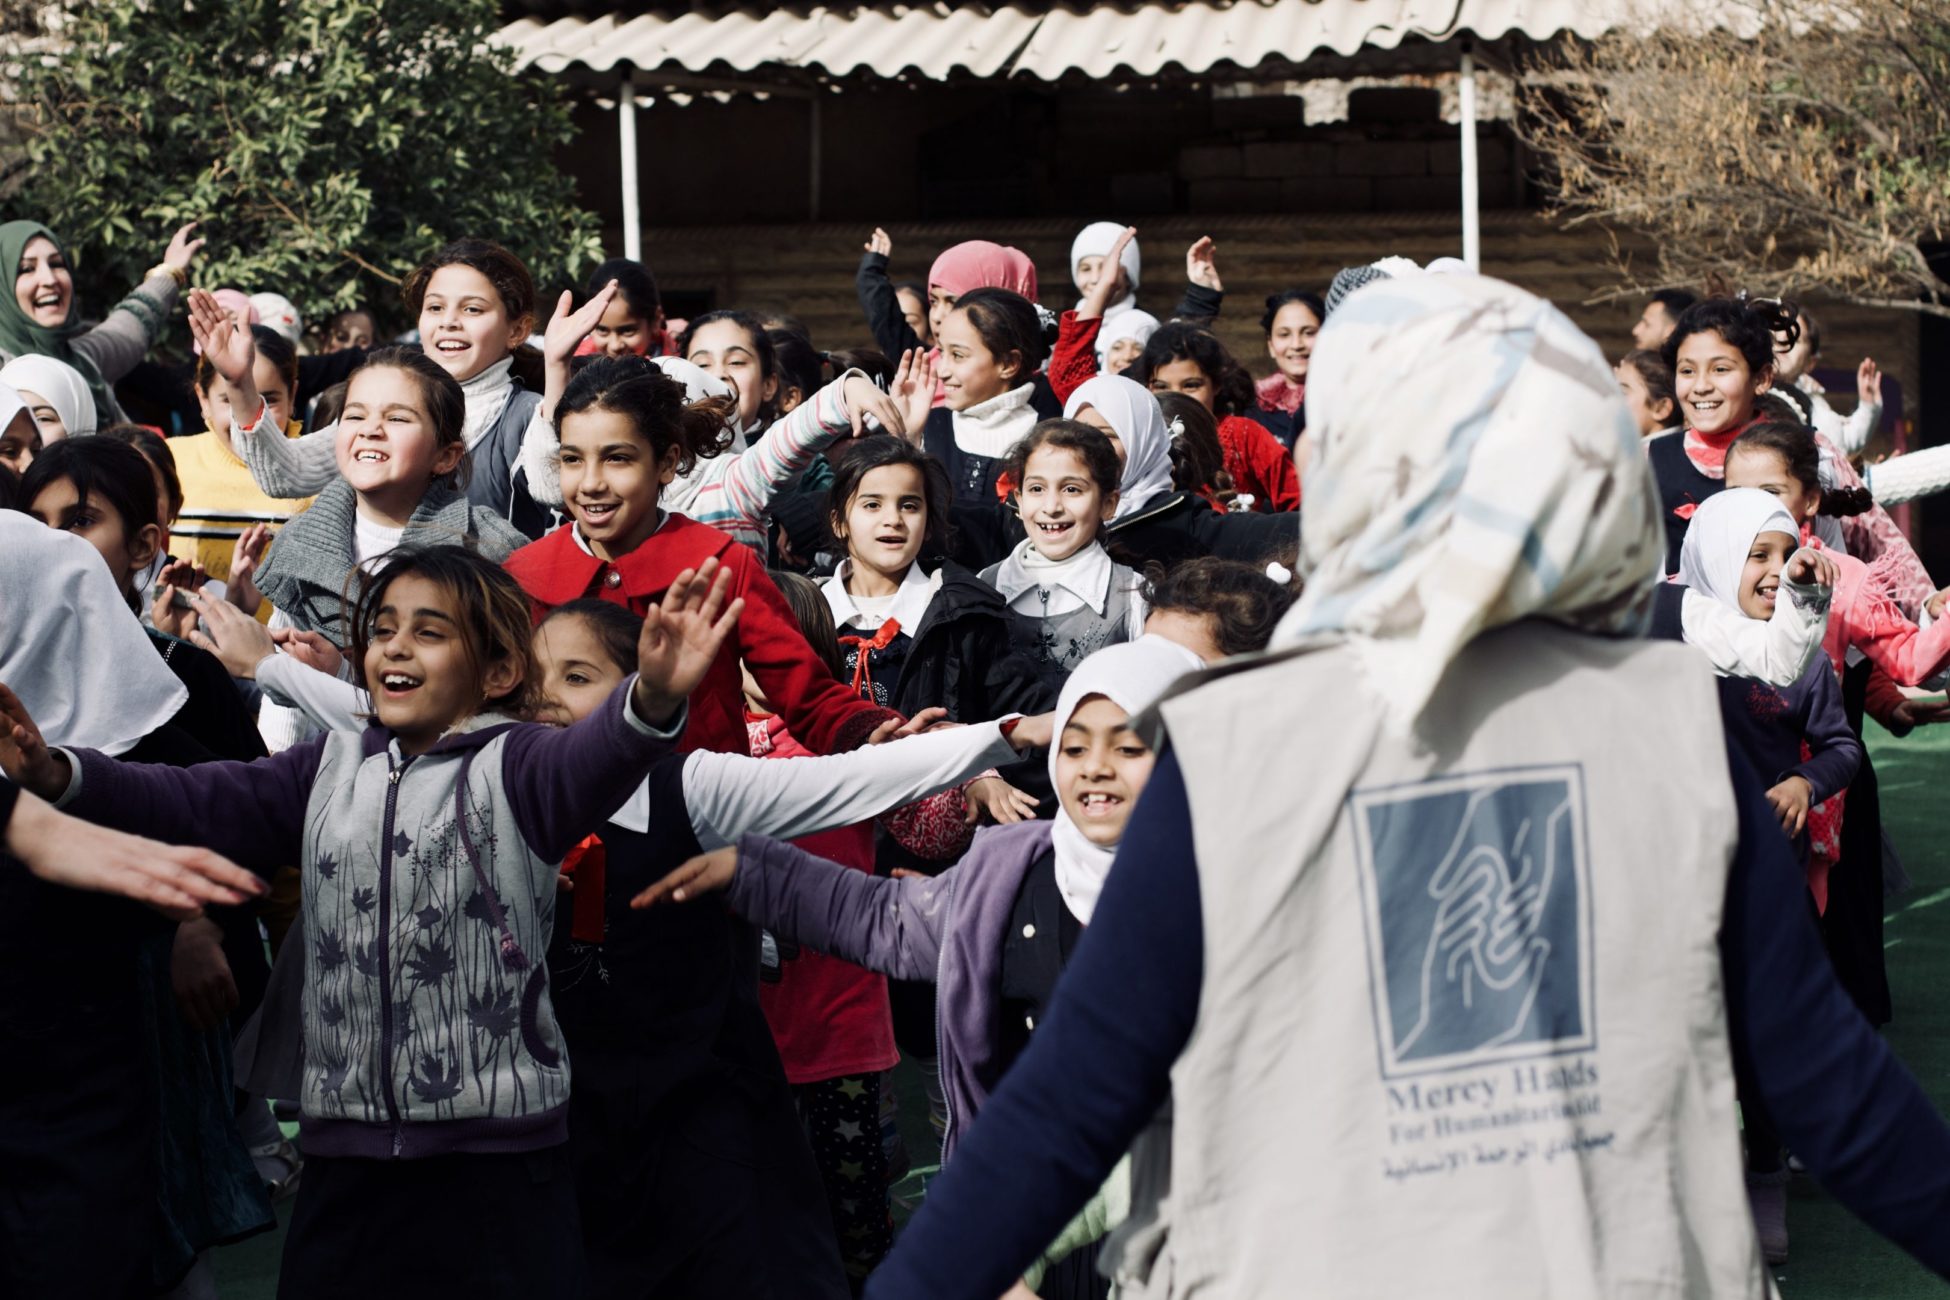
[842, 1119]
[77, 1155]
[487, 1227]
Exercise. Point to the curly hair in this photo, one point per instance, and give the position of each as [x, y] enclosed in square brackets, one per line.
[1232, 386]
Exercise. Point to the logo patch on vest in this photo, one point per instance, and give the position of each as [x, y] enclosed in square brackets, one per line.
[1476, 897]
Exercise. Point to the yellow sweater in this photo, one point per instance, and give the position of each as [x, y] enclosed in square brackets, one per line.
[220, 500]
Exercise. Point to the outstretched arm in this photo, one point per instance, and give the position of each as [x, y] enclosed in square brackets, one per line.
[751, 478]
[1778, 651]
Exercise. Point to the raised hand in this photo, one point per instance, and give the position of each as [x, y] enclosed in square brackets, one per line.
[24, 755]
[183, 247]
[1810, 568]
[914, 383]
[177, 882]
[231, 349]
[1202, 264]
[566, 330]
[1868, 382]
[862, 399]
[239, 590]
[239, 641]
[310, 649]
[1105, 289]
[1004, 804]
[681, 639]
[705, 874]
[880, 242]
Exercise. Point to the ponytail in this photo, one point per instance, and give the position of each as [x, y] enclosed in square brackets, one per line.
[1795, 445]
[638, 389]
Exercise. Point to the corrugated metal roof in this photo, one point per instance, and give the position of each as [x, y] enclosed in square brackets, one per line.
[940, 41]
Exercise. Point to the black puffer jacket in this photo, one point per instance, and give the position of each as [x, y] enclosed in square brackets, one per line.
[961, 659]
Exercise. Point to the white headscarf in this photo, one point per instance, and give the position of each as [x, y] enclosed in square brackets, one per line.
[1132, 676]
[1720, 534]
[60, 385]
[1131, 323]
[1473, 465]
[279, 313]
[1096, 240]
[1140, 423]
[69, 646]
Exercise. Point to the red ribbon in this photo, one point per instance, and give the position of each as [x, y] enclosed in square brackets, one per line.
[586, 864]
[862, 670]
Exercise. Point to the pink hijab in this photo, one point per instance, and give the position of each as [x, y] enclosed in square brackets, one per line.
[238, 304]
[978, 264]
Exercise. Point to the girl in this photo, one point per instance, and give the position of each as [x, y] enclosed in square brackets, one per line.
[221, 499]
[994, 932]
[1736, 546]
[1197, 460]
[1101, 337]
[1291, 321]
[1186, 359]
[1646, 380]
[475, 305]
[1101, 250]
[1215, 608]
[20, 437]
[55, 392]
[733, 346]
[991, 346]
[632, 325]
[1721, 355]
[435, 1087]
[975, 264]
[1067, 599]
[692, 1173]
[41, 315]
[1121, 340]
[626, 435]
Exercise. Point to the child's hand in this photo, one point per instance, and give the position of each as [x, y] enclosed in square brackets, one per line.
[1004, 804]
[568, 328]
[1868, 382]
[74, 854]
[24, 755]
[231, 350]
[1102, 292]
[1033, 732]
[894, 729]
[681, 639]
[238, 641]
[701, 875]
[914, 390]
[183, 247]
[880, 242]
[239, 590]
[310, 649]
[1202, 264]
[1790, 803]
[1920, 713]
[200, 976]
[861, 399]
[1935, 604]
[1810, 567]
[170, 617]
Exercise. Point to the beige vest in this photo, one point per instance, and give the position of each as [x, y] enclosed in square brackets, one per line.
[1461, 1031]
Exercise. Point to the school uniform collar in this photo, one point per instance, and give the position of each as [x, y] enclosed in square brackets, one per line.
[561, 568]
[1085, 575]
[910, 605]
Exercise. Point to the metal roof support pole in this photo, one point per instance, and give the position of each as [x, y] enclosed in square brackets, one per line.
[1472, 229]
[626, 132]
[813, 160]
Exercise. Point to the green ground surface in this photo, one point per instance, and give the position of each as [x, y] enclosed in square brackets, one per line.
[1834, 1257]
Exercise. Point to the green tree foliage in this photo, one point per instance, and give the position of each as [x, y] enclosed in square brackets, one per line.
[326, 145]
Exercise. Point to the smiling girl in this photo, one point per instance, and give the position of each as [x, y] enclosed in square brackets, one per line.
[1183, 358]
[435, 1088]
[991, 346]
[1292, 320]
[41, 314]
[732, 346]
[994, 932]
[1067, 599]
[632, 324]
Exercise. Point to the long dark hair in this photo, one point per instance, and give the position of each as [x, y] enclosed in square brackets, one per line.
[1232, 386]
[1748, 324]
[109, 467]
[768, 358]
[1795, 445]
[869, 454]
[654, 404]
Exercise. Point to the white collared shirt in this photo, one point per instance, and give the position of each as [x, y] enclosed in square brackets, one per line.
[1083, 579]
[907, 606]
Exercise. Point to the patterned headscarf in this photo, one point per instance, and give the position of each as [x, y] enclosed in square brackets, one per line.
[1473, 465]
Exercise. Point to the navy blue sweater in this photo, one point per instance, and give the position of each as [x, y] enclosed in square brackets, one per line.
[1098, 1068]
[1768, 723]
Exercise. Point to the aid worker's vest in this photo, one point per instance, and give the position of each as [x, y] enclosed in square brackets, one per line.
[1461, 1031]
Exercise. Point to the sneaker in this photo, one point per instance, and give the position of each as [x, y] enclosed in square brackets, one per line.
[1767, 1198]
[280, 1165]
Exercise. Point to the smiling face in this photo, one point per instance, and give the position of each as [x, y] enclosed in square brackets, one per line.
[1291, 344]
[1095, 418]
[1101, 767]
[621, 332]
[578, 673]
[97, 522]
[1715, 384]
[1184, 376]
[726, 349]
[215, 400]
[1062, 506]
[886, 522]
[1766, 469]
[417, 667]
[20, 442]
[1122, 355]
[1760, 579]
[388, 448]
[43, 286]
[970, 373]
[1090, 270]
[355, 329]
[464, 324]
[611, 480]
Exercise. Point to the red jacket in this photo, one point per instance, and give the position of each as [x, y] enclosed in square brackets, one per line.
[555, 571]
[1259, 465]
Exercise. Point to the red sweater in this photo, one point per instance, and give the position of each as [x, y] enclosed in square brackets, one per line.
[1259, 465]
[1074, 358]
[555, 571]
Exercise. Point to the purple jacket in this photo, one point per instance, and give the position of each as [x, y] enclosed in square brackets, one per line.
[947, 928]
